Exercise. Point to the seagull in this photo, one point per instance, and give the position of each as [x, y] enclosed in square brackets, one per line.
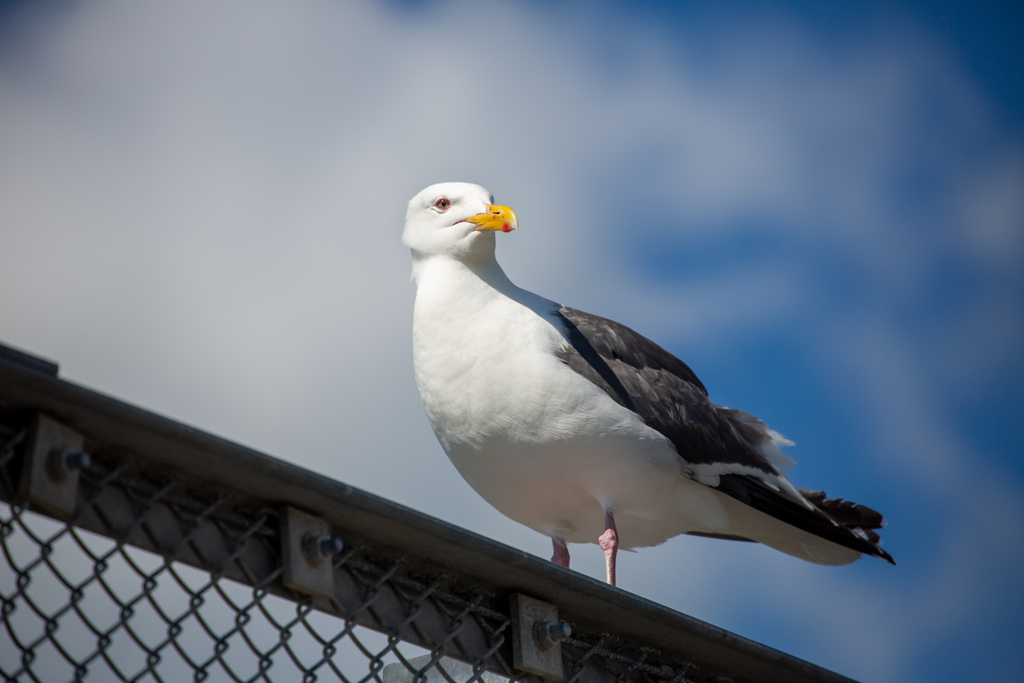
[582, 429]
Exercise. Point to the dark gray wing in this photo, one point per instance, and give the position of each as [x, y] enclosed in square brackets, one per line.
[657, 386]
[668, 396]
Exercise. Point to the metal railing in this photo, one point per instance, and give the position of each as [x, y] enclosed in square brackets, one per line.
[135, 548]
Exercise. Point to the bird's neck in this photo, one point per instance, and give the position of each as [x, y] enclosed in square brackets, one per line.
[454, 291]
[461, 275]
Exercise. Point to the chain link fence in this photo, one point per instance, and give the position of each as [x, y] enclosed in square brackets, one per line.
[151, 571]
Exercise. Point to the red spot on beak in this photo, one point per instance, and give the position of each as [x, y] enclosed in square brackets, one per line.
[505, 227]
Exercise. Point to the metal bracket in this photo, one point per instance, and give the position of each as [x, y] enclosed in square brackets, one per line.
[536, 637]
[307, 551]
[49, 478]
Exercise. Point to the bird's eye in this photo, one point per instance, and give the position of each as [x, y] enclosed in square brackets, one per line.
[443, 204]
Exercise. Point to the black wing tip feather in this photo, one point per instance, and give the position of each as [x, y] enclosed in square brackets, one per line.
[845, 528]
[853, 516]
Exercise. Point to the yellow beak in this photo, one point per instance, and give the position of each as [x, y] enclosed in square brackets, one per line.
[496, 218]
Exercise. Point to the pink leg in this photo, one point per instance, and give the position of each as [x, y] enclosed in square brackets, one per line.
[609, 542]
[561, 556]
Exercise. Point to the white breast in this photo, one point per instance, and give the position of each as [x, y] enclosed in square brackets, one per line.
[535, 439]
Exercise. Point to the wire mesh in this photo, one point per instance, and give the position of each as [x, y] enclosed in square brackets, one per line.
[160, 577]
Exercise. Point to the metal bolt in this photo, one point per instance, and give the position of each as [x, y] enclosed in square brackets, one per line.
[63, 462]
[330, 546]
[550, 633]
[318, 547]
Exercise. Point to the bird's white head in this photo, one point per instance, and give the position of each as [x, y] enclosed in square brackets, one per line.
[457, 220]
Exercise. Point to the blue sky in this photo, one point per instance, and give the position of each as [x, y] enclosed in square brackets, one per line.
[819, 208]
